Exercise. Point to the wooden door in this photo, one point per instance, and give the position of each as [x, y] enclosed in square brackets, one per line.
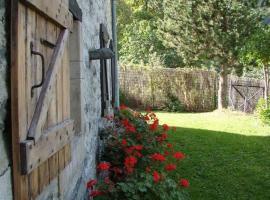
[41, 124]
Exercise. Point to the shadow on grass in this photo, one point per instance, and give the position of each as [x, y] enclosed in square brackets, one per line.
[224, 165]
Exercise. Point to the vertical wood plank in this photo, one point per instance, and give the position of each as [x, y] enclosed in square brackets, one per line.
[31, 77]
[61, 100]
[52, 36]
[66, 98]
[43, 169]
[34, 184]
[18, 120]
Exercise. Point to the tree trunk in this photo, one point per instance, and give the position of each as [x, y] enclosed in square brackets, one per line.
[266, 83]
[223, 89]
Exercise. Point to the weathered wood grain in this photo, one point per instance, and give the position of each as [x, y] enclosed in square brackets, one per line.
[45, 97]
[55, 10]
[54, 139]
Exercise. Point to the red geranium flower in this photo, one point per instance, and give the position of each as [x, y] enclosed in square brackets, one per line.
[129, 150]
[169, 145]
[158, 157]
[146, 118]
[125, 122]
[124, 142]
[138, 147]
[184, 183]
[96, 193]
[130, 161]
[179, 155]
[170, 167]
[138, 154]
[123, 107]
[154, 126]
[117, 171]
[103, 166]
[156, 176]
[166, 153]
[91, 183]
[165, 127]
[162, 137]
[131, 129]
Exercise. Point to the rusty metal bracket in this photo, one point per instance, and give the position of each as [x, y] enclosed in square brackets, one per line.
[33, 52]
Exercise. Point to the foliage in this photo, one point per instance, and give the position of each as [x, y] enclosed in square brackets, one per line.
[137, 33]
[207, 31]
[173, 104]
[263, 111]
[139, 161]
[256, 50]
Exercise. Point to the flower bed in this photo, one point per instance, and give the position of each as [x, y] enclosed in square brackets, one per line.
[139, 163]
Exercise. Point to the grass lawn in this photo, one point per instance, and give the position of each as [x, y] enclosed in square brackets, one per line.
[228, 154]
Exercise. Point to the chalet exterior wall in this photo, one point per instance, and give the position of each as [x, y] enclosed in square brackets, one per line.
[72, 181]
[5, 159]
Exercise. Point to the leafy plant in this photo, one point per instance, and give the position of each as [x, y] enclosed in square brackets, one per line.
[263, 111]
[138, 161]
[173, 104]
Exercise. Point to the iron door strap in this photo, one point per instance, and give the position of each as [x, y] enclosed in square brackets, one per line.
[33, 52]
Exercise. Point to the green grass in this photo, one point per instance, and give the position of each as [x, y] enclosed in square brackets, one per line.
[228, 155]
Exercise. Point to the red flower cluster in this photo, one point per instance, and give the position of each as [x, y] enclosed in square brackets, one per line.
[91, 184]
[179, 155]
[170, 167]
[165, 127]
[158, 157]
[128, 126]
[156, 177]
[124, 142]
[130, 163]
[103, 166]
[133, 145]
[162, 137]
[154, 126]
[184, 183]
[134, 150]
[146, 118]
[123, 107]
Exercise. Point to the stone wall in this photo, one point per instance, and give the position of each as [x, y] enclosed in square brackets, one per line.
[5, 155]
[71, 183]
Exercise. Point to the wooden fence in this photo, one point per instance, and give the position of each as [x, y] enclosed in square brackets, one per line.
[195, 89]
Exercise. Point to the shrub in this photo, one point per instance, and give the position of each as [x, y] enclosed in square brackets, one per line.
[263, 111]
[139, 162]
[173, 104]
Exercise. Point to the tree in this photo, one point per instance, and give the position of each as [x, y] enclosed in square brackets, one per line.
[208, 31]
[257, 51]
[137, 32]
